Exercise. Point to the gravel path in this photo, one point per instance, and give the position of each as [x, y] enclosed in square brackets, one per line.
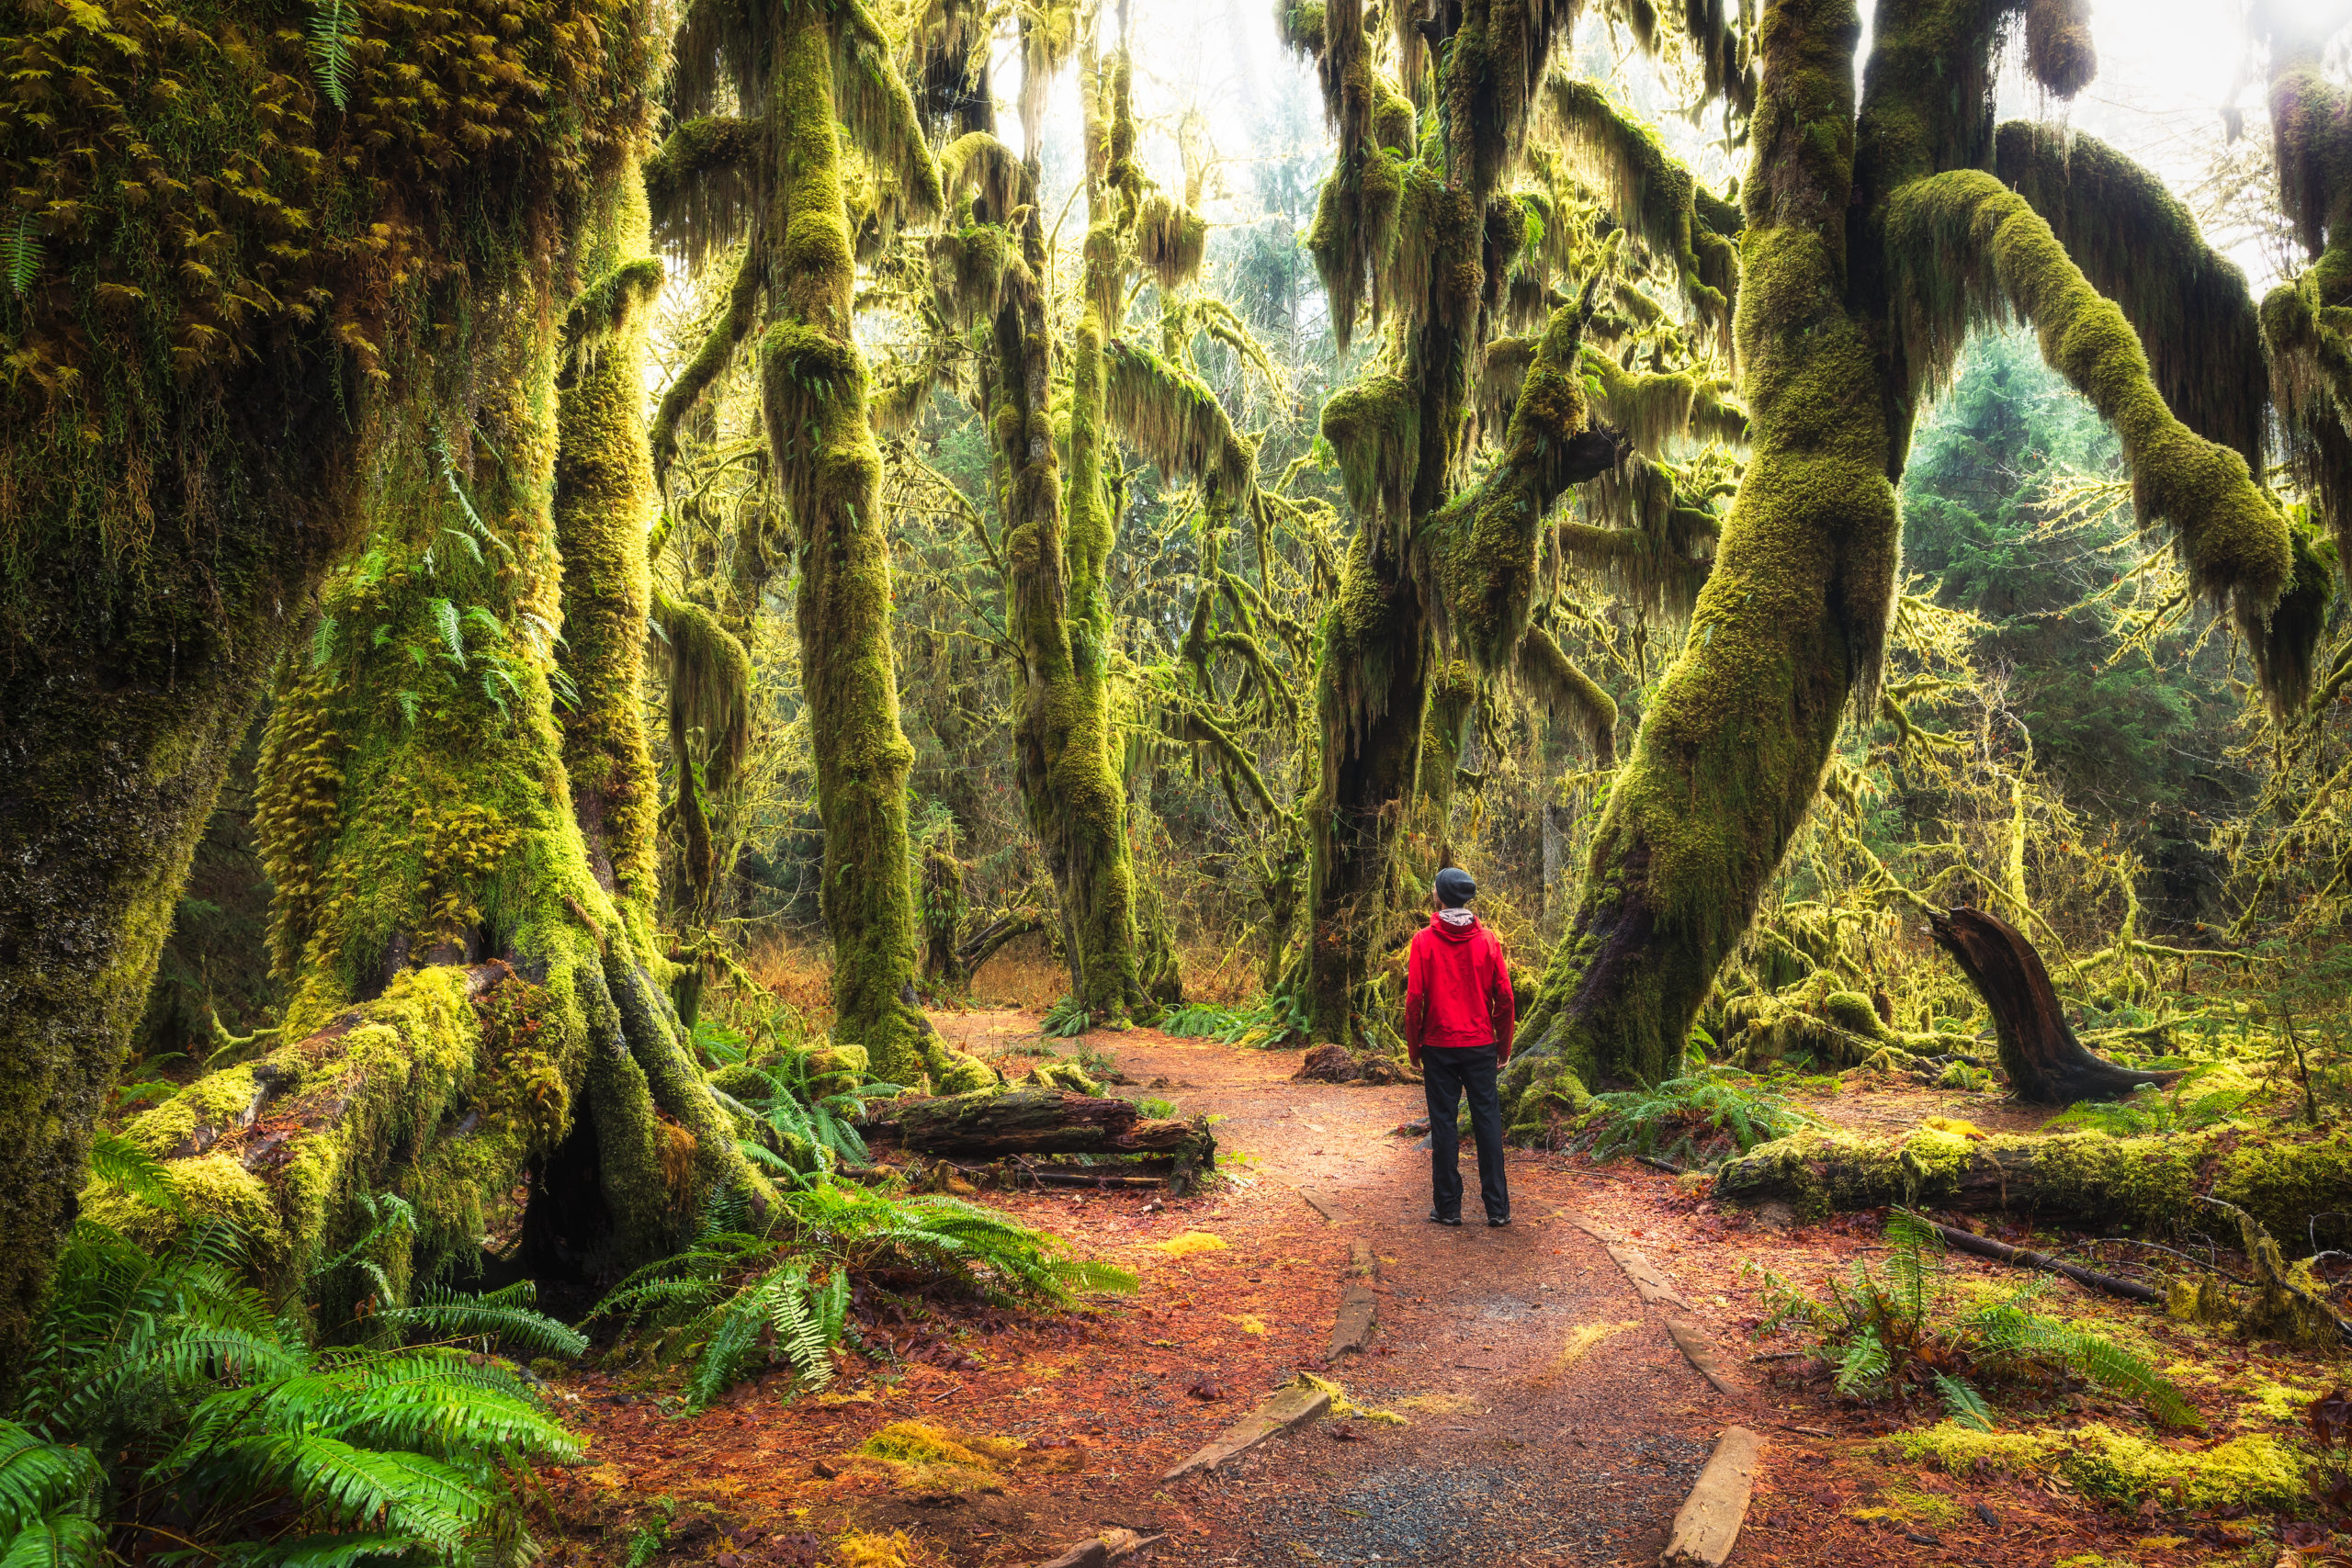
[1550, 1420]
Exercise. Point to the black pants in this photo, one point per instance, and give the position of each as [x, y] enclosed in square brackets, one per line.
[1448, 1073]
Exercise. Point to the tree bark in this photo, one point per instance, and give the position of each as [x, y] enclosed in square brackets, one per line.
[201, 377]
[1056, 546]
[1790, 619]
[2045, 1063]
[813, 388]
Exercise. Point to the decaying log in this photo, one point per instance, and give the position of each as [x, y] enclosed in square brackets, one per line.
[2086, 1180]
[1031, 1122]
[2044, 1062]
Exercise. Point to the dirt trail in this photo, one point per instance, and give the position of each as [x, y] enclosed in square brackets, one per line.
[1551, 1419]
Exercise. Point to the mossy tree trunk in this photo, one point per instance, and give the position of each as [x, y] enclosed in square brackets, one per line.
[604, 507]
[829, 467]
[470, 1007]
[805, 72]
[1057, 544]
[1443, 568]
[1873, 244]
[227, 281]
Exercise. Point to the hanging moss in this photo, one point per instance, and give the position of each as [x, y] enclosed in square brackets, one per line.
[1170, 240]
[1374, 426]
[2138, 246]
[2059, 53]
[700, 186]
[1174, 418]
[1963, 249]
[1656, 409]
[1572, 695]
[1649, 192]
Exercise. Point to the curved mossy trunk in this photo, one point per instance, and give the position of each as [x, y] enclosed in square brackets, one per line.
[1875, 244]
[469, 1008]
[1732, 749]
[828, 467]
[199, 365]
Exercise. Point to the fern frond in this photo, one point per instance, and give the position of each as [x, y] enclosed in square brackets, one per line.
[454, 1314]
[1963, 1404]
[331, 26]
[1863, 1363]
[59, 1540]
[115, 1159]
[38, 1478]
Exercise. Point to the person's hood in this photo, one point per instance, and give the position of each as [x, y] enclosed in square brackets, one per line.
[1449, 929]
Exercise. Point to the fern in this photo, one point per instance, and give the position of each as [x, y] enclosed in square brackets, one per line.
[332, 23]
[719, 1299]
[1963, 1404]
[20, 254]
[162, 1393]
[1676, 1116]
[501, 1315]
[1065, 1019]
[1880, 1328]
[117, 1161]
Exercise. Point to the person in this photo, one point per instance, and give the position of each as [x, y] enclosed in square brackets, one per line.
[1459, 1015]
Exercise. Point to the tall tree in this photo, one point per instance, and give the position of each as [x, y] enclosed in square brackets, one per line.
[775, 178]
[239, 256]
[474, 979]
[1417, 222]
[1876, 238]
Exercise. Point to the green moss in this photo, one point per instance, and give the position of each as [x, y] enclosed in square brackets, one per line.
[2123, 1468]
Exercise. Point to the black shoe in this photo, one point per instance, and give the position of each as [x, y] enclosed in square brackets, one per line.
[1496, 1223]
[1438, 1219]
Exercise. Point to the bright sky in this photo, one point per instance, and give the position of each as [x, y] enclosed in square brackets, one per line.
[2165, 67]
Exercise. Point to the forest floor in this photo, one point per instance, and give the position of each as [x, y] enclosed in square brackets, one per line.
[1548, 1417]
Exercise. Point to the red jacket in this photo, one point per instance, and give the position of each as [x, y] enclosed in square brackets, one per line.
[1457, 987]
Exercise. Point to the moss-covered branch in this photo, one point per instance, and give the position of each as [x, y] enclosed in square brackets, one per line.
[698, 186]
[1571, 694]
[1651, 193]
[1963, 249]
[2138, 246]
[735, 323]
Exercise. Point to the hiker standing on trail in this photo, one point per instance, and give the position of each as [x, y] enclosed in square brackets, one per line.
[1458, 1020]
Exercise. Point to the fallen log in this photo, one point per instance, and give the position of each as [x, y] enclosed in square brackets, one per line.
[2086, 1180]
[1031, 1122]
[2044, 1062]
[2001, 1252]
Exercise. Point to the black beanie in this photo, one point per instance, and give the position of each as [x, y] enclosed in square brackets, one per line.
[1454, 888]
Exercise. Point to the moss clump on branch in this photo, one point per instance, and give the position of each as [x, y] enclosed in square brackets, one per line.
[1170, 240]
[1571, 694]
